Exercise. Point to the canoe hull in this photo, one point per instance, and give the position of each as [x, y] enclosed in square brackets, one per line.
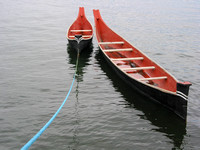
[80, 46]
[139, 71]
[171, 101]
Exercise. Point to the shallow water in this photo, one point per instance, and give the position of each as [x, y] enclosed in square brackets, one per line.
[36, 71]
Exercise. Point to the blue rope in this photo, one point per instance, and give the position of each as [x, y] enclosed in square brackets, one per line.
[31, 141]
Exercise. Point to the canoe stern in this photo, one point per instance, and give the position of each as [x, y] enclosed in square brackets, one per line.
[183, 88]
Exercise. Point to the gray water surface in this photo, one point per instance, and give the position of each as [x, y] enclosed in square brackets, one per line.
[37, 66]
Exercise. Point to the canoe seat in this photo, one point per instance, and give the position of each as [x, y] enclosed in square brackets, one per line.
[153, 78]
[127, 59]
[118, 50]
[80, 30]
[84, 36]
[104, 43]
[138, 68]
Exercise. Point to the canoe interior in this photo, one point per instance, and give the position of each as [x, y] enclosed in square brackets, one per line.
[105, 34]
[81, 26]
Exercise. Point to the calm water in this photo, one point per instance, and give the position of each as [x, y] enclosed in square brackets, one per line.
[36, 70]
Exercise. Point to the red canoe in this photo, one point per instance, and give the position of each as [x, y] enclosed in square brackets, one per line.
[139, 71]
[80, 33]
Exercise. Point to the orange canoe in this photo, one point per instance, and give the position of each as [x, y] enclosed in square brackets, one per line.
[139, 71]
[80, 33]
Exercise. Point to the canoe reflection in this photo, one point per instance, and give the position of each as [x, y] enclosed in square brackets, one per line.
[164, 120]
[83, 59]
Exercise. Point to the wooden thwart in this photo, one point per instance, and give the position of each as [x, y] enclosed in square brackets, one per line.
[118, 50]
[80, 30]
[153, 78]
[127, 59]
[103, 43]
[138, 68]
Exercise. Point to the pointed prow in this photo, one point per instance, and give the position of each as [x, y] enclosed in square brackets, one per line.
[96, 13]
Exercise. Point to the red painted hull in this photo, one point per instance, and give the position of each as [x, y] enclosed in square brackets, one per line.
[80, 33]
[139, 71]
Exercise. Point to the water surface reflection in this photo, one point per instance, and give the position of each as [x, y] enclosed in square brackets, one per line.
[83, 59]
[162, 119]
[83, 62]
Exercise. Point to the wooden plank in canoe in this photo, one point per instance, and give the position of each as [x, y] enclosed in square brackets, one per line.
[153, 78]
[118, 50]
[104, 43]
[127, 59]
[80, 30]
[138, 68]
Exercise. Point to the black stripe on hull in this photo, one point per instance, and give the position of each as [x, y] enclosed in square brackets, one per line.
[83, 44]
[173, 102]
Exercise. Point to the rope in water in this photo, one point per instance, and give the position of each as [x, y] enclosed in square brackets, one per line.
[31, 141]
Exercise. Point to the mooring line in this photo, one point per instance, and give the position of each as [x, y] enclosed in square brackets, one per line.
[31, 141]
